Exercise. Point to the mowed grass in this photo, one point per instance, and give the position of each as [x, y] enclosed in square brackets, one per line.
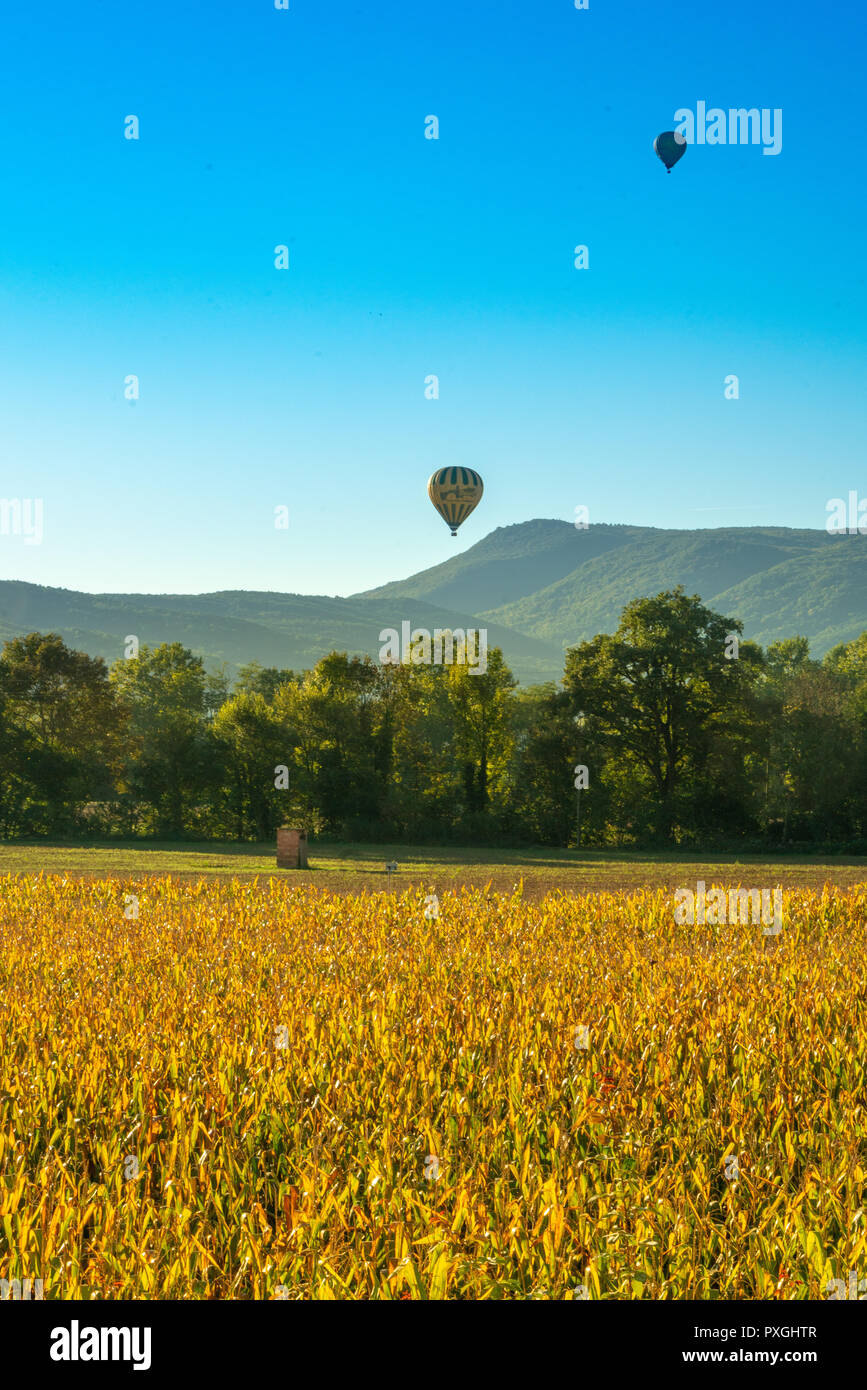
[354, 868]
[262, 1090]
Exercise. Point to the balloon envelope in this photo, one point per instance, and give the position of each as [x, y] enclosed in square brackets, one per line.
[670, 148]
[455, 492]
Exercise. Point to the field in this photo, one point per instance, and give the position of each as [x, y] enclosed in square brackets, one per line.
[231, 1088]
[355, 868]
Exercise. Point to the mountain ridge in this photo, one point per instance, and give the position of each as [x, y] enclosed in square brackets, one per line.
[538, 586]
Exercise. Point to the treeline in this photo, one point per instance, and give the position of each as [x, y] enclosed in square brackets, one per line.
[689, 734]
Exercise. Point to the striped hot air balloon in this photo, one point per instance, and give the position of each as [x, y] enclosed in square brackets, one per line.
[455, 492]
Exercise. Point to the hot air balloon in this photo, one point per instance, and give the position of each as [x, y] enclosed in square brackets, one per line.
[455, 492]
[670, 148]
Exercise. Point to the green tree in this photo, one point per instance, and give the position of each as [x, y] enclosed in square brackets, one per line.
[423, 786]
[546, 747]
[254, 679]
[170, 761]
[815, 741]
[60, 733]
[334, 712]
[661, 693]
[252, 742]
[482, 705]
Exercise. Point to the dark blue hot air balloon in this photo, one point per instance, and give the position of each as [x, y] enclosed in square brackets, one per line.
[670, 148]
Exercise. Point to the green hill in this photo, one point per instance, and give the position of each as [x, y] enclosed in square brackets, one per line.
[562, 585]
[538, 587]
[232, 628]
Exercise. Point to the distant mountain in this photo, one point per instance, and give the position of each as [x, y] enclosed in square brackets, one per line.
[538, 587]
[509, 564]
[550, 581]
[234, 627]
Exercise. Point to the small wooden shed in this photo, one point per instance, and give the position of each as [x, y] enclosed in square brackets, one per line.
[291, 848]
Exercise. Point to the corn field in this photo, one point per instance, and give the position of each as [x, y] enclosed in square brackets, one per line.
[245, 1090]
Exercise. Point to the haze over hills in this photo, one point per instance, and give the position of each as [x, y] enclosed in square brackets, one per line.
[234, 627]
[537, 586]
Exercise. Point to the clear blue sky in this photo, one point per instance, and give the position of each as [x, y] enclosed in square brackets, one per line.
[410, 256]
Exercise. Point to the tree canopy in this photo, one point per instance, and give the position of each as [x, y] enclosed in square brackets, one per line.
[691, 735]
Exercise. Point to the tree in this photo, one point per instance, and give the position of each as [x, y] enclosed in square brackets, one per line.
[60, 729]
[814, 741]
[661, 691]
[168, 765]
[482, 707]
[541, 797]
[334, 711]
[252, 742]
[254, 679]
[422, 793]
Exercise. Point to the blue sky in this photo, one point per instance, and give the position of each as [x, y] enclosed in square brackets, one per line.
[305, 387]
